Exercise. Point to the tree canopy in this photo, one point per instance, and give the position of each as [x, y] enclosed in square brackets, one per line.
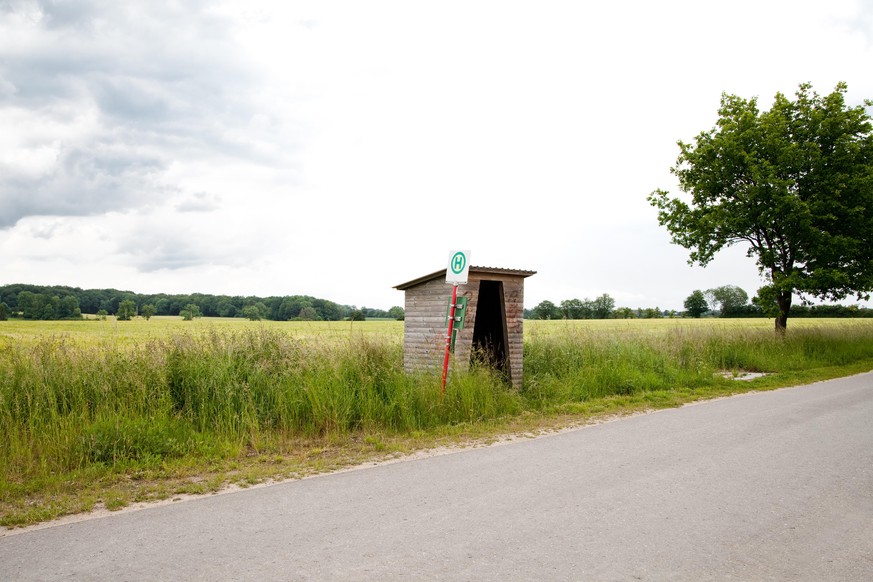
[58, 302]
[147, 311]
[190, 311]
[546, 310]
[729, 300]
[794, 183]
[601, 307]
[126, 310]
[695, 304]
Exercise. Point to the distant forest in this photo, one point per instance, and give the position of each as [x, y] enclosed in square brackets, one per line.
[60, 302]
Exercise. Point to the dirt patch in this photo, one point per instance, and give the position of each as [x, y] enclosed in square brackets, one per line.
[742, 375]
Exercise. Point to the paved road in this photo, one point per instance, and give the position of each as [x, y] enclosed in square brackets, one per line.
[771, 486]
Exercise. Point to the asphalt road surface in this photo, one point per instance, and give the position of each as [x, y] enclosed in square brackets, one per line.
[769, 486]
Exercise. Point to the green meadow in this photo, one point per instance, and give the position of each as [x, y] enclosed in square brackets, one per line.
[99, 413]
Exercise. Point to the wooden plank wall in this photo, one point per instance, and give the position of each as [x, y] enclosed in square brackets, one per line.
[424, 340]
[513, 295]
[424, 326]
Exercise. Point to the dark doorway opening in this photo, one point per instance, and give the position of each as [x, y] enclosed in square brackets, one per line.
[489, 331]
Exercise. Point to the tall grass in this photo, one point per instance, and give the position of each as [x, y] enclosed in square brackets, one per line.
[67, 405]
[584, 363]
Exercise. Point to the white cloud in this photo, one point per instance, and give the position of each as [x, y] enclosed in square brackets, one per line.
[199, 202]
[108, 96]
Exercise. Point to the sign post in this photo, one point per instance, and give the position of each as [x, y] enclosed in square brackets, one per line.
[456, 273]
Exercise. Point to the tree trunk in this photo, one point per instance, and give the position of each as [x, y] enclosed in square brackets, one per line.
[784, 302]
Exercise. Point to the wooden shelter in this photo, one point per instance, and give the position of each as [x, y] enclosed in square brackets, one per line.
[492, 326]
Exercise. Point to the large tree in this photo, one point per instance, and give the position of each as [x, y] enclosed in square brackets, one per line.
[695, 304]
[126, 310]
[576, 308]
[601, 307]
[547, 310]
[730, 299]
[148, 310]
[190, 311]
[794, 183]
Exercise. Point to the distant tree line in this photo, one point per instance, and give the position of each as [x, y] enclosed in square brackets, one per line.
[602, 307]
[732, 301]
[41, 306]
[724, 301]
[60, 302]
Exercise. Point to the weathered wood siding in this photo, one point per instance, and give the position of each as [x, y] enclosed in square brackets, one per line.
[424, 341]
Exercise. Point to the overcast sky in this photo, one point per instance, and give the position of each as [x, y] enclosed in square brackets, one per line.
[337, 149]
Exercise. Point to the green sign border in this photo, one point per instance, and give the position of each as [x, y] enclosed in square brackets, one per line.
[463, 263]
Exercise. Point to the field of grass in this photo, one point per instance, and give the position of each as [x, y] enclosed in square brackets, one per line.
[103, 413]
[93, 329]
[534, 329]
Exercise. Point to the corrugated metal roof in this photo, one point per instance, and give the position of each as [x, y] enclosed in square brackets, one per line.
[473, 269]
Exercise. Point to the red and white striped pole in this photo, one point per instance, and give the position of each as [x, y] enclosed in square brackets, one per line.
[456, 273]
[449, 336]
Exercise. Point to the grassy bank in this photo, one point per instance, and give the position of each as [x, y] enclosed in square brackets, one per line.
[573, 363]
[113, 422]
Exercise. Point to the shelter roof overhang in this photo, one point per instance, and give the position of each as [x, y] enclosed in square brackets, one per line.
[473, 269]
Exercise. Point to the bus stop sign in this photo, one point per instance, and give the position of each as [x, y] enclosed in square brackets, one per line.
[459, 267]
